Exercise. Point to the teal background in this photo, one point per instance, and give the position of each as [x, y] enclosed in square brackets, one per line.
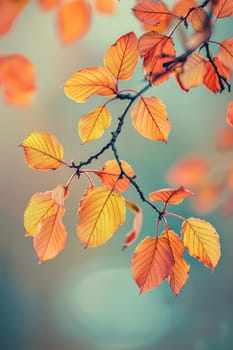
[86, 299]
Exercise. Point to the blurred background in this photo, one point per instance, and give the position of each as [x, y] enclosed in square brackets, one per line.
[87, 299]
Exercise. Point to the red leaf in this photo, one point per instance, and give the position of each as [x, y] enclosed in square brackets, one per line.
[150, 12]
[222, 8]
[211, 80]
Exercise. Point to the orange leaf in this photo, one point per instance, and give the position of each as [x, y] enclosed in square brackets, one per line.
[182, 7]
[90, 81]
[225, 139]
[207, 196]
[40, 206]
[48, 4]
[111, 171]
[192, 73]
[17, 77]
[73, 20]
[152, 262]
[51, 238]
[229, 177]
[225, 53]
[222, 8]
[121, 58]
[180, 271]
[200, 19]
[101, 212]
[230, 113]
[211, 80]
[170, 195]
[202, 241]
[105, 6]
[92, 125]
[156, 49]
[188, 171]
[149, 118]
[151, 13]
[137, 224]
[42, 151]
[9, 11]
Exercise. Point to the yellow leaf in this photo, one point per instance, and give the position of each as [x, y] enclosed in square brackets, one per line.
[41, 206]
[202, 241]
[92, 125]
[152, 262]
[90, 81]
[101, 212]
[51, 238]
[42, 151]
[149, 118]
[121, 58]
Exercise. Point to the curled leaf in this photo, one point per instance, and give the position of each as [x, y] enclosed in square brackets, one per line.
[170, 195]
[42, 151]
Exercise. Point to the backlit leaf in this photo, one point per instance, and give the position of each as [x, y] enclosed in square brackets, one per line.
[152, 262]
[150, 12]
[42, 151]
[101, 213]
[207, 196]
[90, 81]
[188, 171]
[48, 4]
[40, 206]
[149, 118]
[92, 125]
[133, 234]
[180, 271]
[17, 79]
[121, 58]
[73, 20]
[230, 113]
[105, 6]
[111, 171]
[170, 195]
[202, 241]
[51, 238]
[182, 7]
[222, 8]
[156, 49]
[192, 72]
[211, 79]
[225, 53]
[9, 11]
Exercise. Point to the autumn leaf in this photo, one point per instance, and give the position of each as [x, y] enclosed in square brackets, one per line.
[224, 138]
[230, 113]
[17, 79]
[73, 20]
[207, 196]
[121, 58]
[92, 125]
[149, 118]
[101, 212]
[90, 81]
[188, 171]
[200, 19]
[211, 79]
[133, 234]
[151, 13]
[48, 4]
[202, 241]
[170, 195]
[222, 8]
[152, 262]
[41, 206]
[192, 72]
[51, 238]
[182, 7]
[225, 53]
[9, 11]
[42, 151]
[180, 270]
[111, 171]
[105, 6]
